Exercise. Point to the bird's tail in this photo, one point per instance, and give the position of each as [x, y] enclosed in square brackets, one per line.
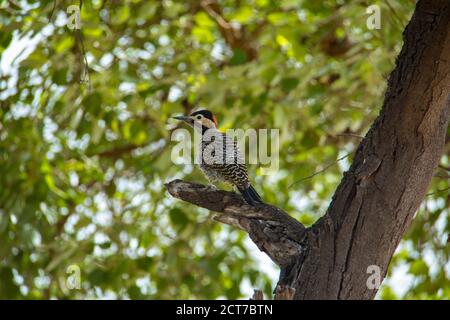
[250, 195]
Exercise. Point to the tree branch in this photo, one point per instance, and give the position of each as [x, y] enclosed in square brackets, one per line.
[235, 38]
[276, 233]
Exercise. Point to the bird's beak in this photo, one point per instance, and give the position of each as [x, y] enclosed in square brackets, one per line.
[185, 119]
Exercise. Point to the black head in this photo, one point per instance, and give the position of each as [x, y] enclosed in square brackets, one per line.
[205, 113]
[204, 118]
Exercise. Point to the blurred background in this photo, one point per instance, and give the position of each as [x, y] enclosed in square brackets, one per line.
[85, 140]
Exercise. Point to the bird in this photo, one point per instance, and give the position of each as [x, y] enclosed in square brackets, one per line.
[220, 158]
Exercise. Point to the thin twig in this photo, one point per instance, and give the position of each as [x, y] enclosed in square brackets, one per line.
[320, 171]
[353, 135]
[55, 2]
[437, 191]
[206, 5]
[80, 41]
[399, 20]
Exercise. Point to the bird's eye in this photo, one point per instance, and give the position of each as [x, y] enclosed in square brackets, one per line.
[199, 117]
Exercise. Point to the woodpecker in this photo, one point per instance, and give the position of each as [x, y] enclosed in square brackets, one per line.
[220, 158]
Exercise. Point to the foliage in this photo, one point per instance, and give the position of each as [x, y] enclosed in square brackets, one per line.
[84, 156]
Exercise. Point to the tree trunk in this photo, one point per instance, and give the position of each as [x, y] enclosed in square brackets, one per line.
[378, 196]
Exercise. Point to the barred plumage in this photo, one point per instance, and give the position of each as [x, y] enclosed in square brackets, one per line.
[228, 166]
[220, 157]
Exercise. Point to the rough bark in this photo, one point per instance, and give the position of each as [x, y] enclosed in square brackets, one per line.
[275, 232]
[380, 193]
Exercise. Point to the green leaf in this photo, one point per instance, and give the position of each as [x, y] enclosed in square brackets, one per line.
[179, 218]
[134, 292]
[288, 84]
[239, 57]
[418, 267]
[121, 15]
[93, 103]
[60, 76]
[243, 15]
[203, 35]
[204, 21]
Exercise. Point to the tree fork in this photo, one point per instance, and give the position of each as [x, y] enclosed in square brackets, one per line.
[378, 196]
